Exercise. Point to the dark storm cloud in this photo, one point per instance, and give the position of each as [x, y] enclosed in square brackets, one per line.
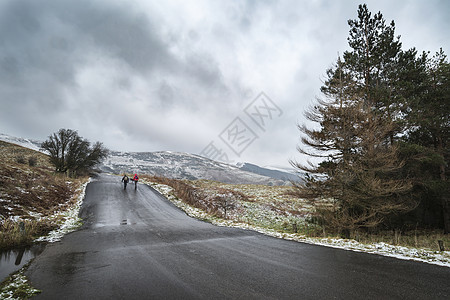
[144, 75]
[119, 32]
[205, 70]
[56, 36]
[44, 45]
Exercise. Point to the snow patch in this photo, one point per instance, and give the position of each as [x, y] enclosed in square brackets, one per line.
[70, 222]
[16, 282]
[30, 144]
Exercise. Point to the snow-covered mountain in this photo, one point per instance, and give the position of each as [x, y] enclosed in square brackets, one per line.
[176, 165]
[182, 166]
[27, 143]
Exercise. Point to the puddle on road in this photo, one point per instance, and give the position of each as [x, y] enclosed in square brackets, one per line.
[113, 225]
[13, 260]
[110, 224]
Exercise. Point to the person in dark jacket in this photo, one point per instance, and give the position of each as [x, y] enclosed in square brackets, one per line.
[125, 181]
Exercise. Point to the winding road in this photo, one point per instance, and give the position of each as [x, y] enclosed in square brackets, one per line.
[137, 245]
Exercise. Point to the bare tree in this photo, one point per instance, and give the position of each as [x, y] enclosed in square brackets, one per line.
[226, 203]
[72, 154]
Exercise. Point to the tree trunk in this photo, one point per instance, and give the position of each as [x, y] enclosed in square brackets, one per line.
[446, 212]
[445, 201]
[445, 195]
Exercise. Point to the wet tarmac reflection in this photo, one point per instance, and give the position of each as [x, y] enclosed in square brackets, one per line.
[13, 260]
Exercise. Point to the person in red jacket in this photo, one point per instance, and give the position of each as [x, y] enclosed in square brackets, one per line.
[135, 179]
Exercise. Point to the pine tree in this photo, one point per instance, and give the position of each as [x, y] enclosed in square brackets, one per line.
[356, 186]
[358, 178]
[427, 137]
[372, 63]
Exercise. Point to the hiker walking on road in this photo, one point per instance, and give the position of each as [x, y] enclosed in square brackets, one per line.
[125, 180]
[135, 179]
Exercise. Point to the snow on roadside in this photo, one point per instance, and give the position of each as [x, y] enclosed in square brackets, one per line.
[70, 218]
[400, 252]
[18, 287]
[18, 281]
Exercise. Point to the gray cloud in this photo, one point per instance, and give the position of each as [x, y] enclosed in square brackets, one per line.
[146, 75]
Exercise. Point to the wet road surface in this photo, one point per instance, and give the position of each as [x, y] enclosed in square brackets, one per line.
[137, 245]
[13, 260]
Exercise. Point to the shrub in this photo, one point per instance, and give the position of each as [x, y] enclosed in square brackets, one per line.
[32, 161]
[20, 159]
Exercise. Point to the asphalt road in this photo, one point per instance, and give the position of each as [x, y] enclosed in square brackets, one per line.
[137, 245]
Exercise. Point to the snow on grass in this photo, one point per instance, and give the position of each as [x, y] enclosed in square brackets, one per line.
[17, 287]
[69, 219]
[258, 217]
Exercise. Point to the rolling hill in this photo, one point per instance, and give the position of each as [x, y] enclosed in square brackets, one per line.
[178, 165]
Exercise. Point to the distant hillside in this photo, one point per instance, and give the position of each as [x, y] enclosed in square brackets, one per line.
[182, 166]
[177, 165]
[27, 143]
[276, 174]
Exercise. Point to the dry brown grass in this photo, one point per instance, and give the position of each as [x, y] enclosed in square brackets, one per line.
[9, 153]
[423, 239]
[216, 203]
[15, 234]
[269, 201]
[29, 191]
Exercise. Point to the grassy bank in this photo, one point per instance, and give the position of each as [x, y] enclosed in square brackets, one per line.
[421, 239]
[21, 233]
[274, 209]
[31, 195]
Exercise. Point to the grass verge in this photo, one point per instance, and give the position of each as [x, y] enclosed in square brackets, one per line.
[271, 210]
[32, 198]
[17, 286]
[15, 234]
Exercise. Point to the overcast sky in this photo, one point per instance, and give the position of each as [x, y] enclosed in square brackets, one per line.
[183, 75]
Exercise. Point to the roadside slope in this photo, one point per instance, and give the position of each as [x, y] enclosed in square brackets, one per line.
[30, 193]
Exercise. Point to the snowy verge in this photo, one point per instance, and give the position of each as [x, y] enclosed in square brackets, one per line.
[400, 252]
[70, 220]
[17, 287]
